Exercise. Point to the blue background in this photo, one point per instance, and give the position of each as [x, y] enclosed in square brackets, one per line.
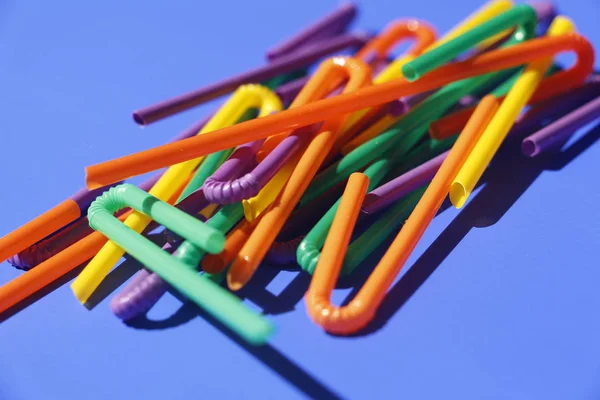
[500, 301]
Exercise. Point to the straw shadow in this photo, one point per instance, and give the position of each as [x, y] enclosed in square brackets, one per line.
[266, 354]
[120, 274]
[511, 175]
[41, 293]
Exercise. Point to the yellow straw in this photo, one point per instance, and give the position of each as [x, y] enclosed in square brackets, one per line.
[244, 98]
[500, 125]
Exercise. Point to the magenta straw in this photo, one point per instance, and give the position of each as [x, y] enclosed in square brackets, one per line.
[554, 135]
[282, 65]
[332, 24]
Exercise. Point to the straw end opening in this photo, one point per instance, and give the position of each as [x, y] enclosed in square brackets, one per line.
[458, 194]
[529, 148]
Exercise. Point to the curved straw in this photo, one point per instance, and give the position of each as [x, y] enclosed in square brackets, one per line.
[330, 25]
[555, 134]
[146, 288]
[244, 98]
[394, 70]
[62, 263]
[46, 224]
[360, 311]
[515, 100]
[161, 156]
[308, 252]
[60, 240]
[299, 59]
[522, 17]
[236, 239]
[208, 295]
[271, 221]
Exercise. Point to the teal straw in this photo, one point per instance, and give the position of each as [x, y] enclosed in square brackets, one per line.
[204, 292]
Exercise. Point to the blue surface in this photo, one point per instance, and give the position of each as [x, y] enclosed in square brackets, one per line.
[500, 301]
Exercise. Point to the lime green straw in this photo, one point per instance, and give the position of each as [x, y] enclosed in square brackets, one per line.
[218, 302]
[522, 15]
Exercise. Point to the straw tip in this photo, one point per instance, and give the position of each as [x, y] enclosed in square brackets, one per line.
[458, 194]
[239, 274]
[137, 117]
[529, 148]
[410, 73]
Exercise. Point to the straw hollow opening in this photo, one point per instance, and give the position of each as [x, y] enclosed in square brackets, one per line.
[529, 148]
[458, 194]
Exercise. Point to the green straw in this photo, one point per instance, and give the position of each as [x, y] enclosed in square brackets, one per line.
[200, 289]
[520, 15]
[309, 250]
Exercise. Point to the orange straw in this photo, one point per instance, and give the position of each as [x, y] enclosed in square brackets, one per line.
[216, 263]
[360, 311]
[194, 147]
[38, 228]
[450, 124]
[273, 219]
[50, 270]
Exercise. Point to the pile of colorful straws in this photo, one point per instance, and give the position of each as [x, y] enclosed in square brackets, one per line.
[262, 179]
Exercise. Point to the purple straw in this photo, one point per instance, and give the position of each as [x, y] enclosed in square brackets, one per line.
[282, 65]
[326, 27]
[555, 134]
[220, 190]
[399, 187]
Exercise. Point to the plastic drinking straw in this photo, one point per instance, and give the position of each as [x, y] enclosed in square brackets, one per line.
[165, 155]
[272, 220]
[360, 311]
[483, 23]
[452, 123]
[244, 98]
[146, 288]
[500, 125]
[60, 240]
[299, 59]
[60, 264]
[52, 220]
[554, 135]
[308, 251]
[235, 241]
[394, 70]
[206, 294]
[330, 25]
